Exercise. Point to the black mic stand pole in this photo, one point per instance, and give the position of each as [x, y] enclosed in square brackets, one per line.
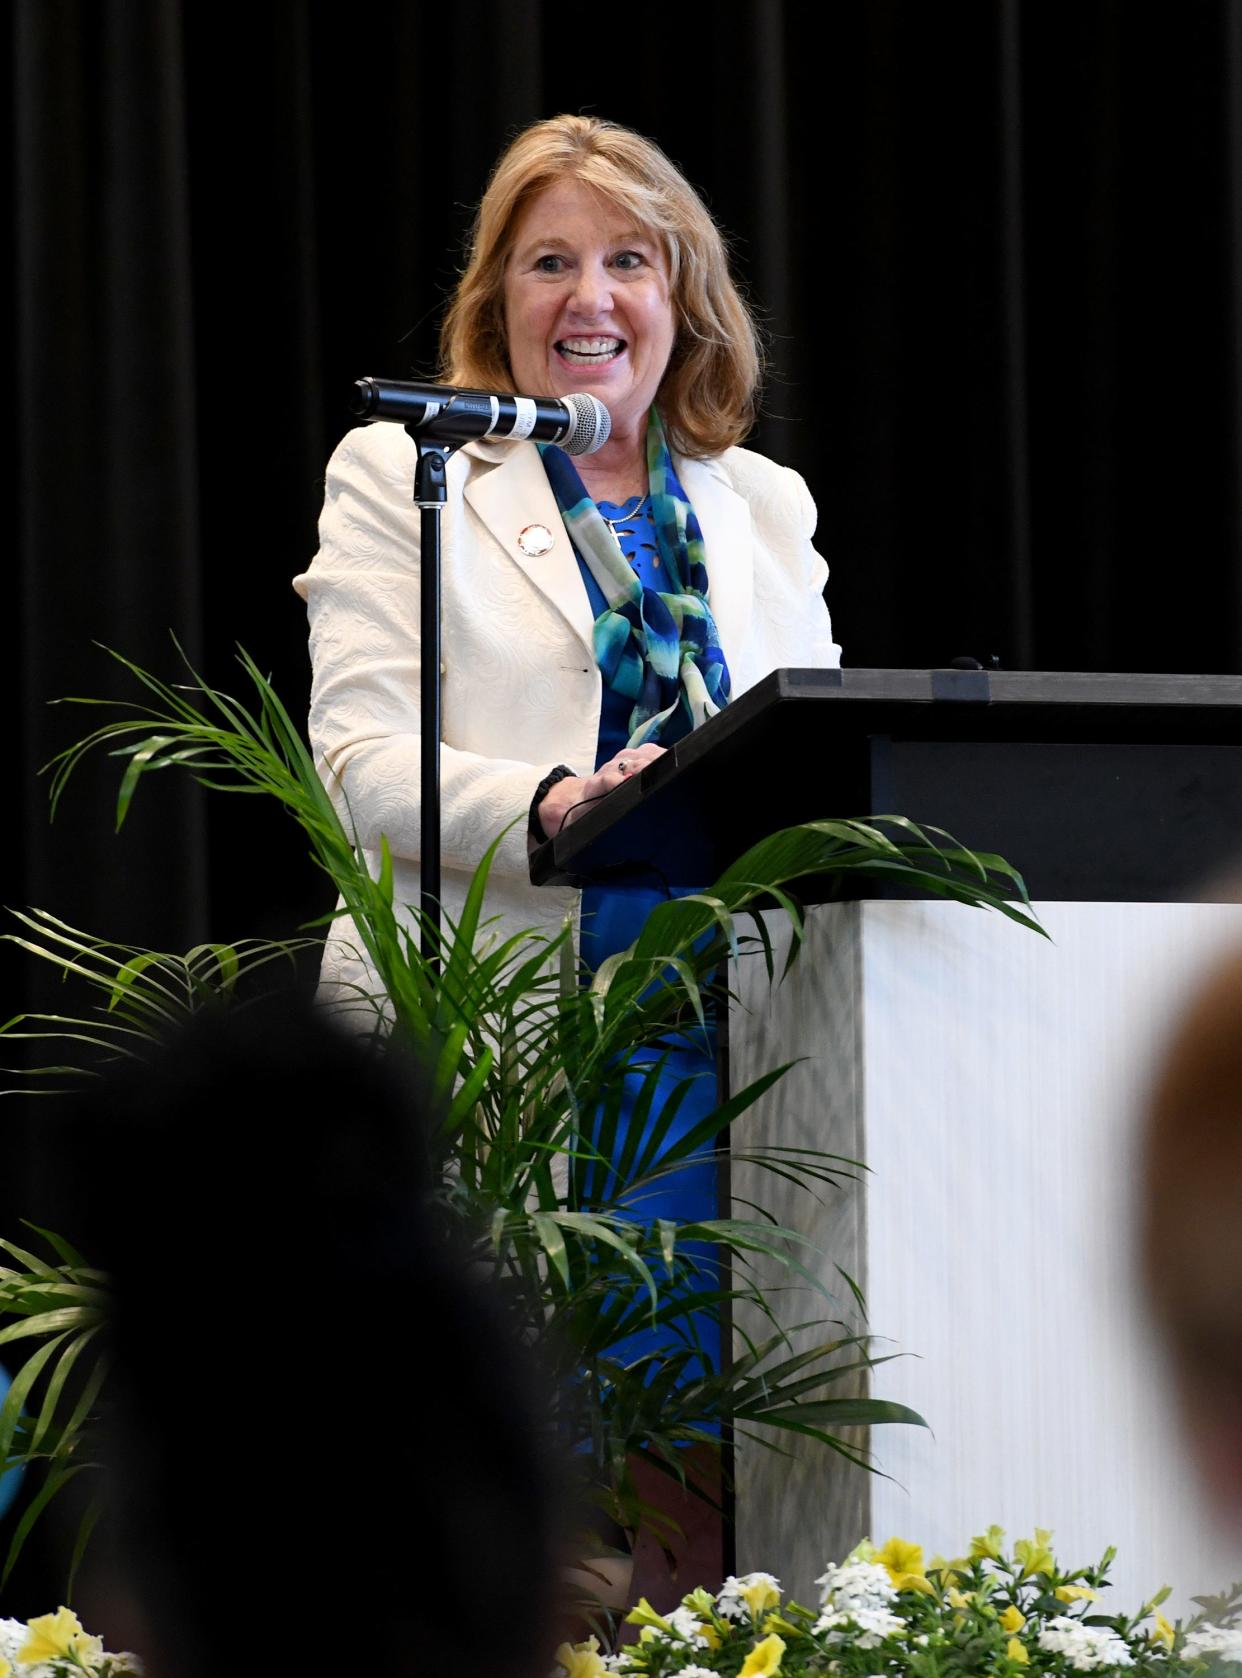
[429, 498]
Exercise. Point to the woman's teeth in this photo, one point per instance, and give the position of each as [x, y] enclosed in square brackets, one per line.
[583, 352]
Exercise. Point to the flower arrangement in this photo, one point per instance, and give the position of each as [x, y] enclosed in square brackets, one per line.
[882, 1613]
[56, 1646]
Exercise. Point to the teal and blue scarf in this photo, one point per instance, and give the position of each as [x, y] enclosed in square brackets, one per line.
[659, 649]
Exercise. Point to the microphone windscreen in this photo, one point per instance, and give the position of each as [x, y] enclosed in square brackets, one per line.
[592, 424]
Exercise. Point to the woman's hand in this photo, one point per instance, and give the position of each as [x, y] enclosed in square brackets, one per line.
[576, 794]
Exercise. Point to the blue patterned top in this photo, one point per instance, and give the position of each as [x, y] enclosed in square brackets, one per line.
[612, 917]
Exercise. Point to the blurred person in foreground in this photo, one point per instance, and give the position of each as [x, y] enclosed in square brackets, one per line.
[1191, 1228]
[323, 1446]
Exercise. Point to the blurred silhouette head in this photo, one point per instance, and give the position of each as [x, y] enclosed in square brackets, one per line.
[322, 1435]
[1192, 1223]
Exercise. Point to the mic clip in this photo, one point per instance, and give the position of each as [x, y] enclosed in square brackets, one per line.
[430, 484]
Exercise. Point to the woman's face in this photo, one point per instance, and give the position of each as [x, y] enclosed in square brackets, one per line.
[587, 304]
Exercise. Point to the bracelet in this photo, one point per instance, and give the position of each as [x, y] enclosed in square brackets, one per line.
[534, 826]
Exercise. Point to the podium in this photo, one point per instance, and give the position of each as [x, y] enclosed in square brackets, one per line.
[988, 1080]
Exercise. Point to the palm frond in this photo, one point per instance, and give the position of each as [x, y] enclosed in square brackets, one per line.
[50, 1413]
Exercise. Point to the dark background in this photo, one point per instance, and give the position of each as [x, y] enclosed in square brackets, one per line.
[997, 248]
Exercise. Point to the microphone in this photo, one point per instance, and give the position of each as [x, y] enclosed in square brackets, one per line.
[578, 422]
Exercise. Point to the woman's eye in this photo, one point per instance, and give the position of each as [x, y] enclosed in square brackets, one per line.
[549, 264]
[628, 259]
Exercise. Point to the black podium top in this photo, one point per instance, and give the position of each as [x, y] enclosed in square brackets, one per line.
[1109, 788]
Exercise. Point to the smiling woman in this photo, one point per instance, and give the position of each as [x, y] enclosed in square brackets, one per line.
[594, 613]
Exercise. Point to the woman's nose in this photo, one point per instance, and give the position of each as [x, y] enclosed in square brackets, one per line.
[592, 294]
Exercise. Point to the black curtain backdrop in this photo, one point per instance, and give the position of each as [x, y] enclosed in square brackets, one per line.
[996, 247]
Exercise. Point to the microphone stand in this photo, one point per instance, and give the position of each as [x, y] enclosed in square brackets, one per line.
[429, 498]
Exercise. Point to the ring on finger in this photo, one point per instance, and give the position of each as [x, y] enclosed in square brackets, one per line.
[623, 765]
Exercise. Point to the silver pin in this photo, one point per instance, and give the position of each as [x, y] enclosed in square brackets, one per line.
[536, 540]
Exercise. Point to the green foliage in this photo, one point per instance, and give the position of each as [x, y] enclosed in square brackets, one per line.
[528, 1060]
[140, 993]
[47, 1414]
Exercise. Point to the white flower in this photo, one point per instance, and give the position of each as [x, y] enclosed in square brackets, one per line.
[1225, 1642]
[694, 1672]
[731, 1598]
[856, 1598]
[864, 1628]
[1087, 1648]
[13, 1633]
[686, 1627]
[856, 1584]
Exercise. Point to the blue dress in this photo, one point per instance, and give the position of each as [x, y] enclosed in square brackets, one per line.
[612, 917]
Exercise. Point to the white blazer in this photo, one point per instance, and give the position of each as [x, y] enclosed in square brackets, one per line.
[520, 687]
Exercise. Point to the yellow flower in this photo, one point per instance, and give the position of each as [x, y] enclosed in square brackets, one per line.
[987, 1546]
[760, 1596]
[1015, 1652]
[1012, 1619]
[581, 1660]
[1076, 1593]
[955, 1599]
[5, 1668]
[949, 1571]
[1035, 1554]
[905, 1565]
[764, 1659]
[1162, 1632]
[645, 1615]
[54, 1636]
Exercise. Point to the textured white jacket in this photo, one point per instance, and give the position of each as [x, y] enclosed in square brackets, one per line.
[521, 689]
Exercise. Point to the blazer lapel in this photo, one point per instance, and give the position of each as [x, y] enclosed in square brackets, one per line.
[512, 492]
[724, 519]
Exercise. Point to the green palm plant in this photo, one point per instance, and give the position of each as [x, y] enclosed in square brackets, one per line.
[47, 1413]
[533, 1152]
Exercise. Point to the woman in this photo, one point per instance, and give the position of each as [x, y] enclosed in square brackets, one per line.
[591, 616]
[594, 267]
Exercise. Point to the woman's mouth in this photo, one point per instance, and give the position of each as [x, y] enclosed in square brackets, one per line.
[589, 352]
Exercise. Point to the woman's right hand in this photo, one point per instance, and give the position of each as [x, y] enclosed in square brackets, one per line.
[576, 794]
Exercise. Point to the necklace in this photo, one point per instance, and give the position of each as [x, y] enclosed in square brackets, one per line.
[625, 518]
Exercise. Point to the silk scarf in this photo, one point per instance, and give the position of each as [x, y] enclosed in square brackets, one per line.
[657, 648]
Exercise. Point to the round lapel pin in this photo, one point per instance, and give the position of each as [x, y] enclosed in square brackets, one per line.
[536, 540]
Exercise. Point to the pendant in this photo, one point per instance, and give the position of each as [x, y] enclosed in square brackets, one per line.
[536, 540]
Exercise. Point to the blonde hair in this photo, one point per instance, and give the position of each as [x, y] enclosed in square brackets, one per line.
[710, 388]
